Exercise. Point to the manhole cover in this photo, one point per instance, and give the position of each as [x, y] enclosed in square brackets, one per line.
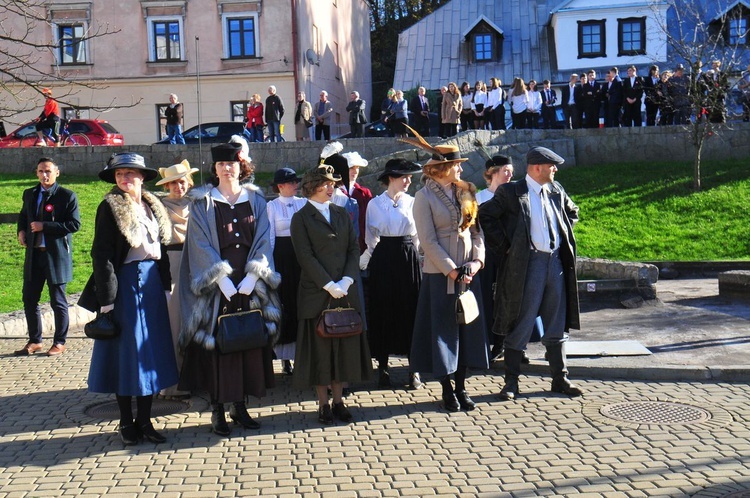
[655, 412]
[161, 407]
[730, 490]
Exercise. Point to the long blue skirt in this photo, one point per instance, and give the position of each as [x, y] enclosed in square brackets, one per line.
[439, 345]
[140, 361]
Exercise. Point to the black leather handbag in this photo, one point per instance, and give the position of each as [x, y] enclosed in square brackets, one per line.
[102, 327]
[241, 331]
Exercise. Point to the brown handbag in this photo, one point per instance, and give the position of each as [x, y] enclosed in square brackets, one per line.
[336, 323]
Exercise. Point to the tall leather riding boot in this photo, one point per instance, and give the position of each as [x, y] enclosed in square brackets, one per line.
[218, 420]
[449, 398]
[513, 359]
[558, 369]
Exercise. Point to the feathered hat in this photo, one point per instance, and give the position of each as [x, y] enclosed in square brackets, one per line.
[331, 155]
[441, 154]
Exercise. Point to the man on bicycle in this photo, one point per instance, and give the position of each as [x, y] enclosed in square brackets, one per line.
[49, 119]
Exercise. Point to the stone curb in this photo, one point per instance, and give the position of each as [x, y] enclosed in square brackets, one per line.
[723, 373]
[13, 325]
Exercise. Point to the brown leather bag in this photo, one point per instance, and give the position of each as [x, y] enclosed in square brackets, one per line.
[335, 323]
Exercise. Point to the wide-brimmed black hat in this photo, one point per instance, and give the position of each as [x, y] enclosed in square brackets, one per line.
[126, 160]
[498, 161]
[226, 152]
[284, 175]
[399, 167]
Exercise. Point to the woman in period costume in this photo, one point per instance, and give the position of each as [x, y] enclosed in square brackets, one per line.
[395, 273]
[327, 250]
[177, 181]
[131, 279]
[227, 266]
[445, 212]
[280, 211]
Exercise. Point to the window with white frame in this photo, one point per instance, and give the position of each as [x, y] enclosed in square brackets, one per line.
[240, 35]
[165, 39]
[71, 43]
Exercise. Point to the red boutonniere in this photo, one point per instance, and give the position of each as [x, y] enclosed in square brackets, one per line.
[49, 208]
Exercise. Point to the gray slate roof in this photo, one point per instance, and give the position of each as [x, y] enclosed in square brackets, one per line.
[432, 53]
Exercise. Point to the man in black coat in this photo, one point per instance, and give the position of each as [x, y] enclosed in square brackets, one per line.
[580, 101]
[530, 222]
[46, 223]
[611, 92]
[357, 117]
[632, 92]
[591, 100]
[420, 106]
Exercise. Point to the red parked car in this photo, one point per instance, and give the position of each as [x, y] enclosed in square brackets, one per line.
[73, 132]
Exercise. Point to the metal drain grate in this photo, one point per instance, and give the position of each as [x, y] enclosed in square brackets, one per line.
[161, 407]
[656, 412]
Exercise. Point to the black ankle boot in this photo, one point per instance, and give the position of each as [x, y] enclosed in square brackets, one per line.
[513, 360]
[466, 403]
[146, 429]
[238, 413]
[450, 402]
[219, 424]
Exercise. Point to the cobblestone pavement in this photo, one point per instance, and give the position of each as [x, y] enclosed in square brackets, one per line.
[626, 438]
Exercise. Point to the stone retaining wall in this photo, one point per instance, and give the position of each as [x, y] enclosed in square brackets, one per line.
[578, 147]
[631, 282]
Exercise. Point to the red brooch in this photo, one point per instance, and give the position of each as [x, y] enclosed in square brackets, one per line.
[49, 208]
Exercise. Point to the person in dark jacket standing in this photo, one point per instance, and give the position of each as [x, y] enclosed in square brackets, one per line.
[274, 112]
[420, 106]
[173, 114]
[357, 117]
[46, 224]
[530, 222]
[632, 92]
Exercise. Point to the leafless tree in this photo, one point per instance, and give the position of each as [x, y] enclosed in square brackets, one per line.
[701, 34]
[25, 46]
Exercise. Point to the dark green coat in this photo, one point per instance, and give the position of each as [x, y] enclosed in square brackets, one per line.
[326, 252]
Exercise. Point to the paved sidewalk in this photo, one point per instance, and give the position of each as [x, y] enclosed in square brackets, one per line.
[628, 436]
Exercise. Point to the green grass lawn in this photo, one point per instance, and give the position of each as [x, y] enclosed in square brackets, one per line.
[649, 212]
[630, 212]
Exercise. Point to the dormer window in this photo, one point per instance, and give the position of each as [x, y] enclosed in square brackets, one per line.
[485, 41]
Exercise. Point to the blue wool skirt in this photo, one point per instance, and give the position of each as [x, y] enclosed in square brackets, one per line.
[440, 345]
[140, 361]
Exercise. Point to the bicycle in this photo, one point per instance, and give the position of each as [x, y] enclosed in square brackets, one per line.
[67, 139]
[267, 137]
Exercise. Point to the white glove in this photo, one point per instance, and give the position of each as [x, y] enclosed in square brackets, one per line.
[107, 308]
[248, 284]
[364, 260]
[334, 290]
[227, 288]
[168, 295]
[344, 284]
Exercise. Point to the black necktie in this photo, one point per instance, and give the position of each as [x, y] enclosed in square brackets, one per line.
[548, 217]
[39, 214]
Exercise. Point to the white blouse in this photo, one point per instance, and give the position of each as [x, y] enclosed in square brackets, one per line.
[484, 196]
[280, 212]
[535, 101]
[480, 97]
[383, 219]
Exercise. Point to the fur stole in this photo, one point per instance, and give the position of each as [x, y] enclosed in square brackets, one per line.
[126, 217]
[198, 325]
[466, 192]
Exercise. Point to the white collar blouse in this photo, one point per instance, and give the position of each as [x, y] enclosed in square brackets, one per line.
[388, 219]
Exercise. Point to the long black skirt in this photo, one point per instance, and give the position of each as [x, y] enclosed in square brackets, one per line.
[395, 278]
[289, 269]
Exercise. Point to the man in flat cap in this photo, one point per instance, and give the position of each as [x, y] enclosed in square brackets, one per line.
[530, 222]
